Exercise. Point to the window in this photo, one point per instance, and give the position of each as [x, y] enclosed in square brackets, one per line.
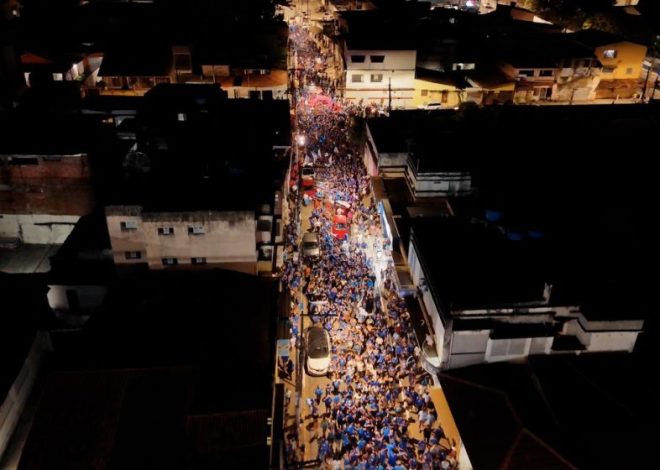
[445, 96]
[425, 93]
[200, 260]
[195, 230]
[609, 53]
[376, 77]
[263, 225]
[356, 78]
[608, 69]
[165, 231]
[23, 161]
[181, 116]
[547, 73]
[170, 261]
[52, 158]
[629, 71]
[133, 254]
[128, 226]
[377, 59]
[58, 77]
[357, 59]
[526, 73]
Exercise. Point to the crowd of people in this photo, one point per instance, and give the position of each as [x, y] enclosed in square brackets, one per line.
[376, 411]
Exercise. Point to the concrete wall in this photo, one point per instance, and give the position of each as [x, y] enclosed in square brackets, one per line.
[89, 297]
[433, 184]
[40, 202]
[125, 241]
[417, 275]
[47, 167]
[229, 238]
[392, 164]
[43, 229]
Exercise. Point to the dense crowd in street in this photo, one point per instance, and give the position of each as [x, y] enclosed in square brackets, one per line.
[377, 391]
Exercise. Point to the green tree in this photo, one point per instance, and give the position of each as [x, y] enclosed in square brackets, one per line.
[602, 22]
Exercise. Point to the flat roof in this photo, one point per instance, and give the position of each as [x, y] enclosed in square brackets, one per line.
[554, 411]
[38, 133]
[219, 322]
[110, 419]
[137, 59]
[223, 156]
[433, 139]
[472, 266]
[380, 30]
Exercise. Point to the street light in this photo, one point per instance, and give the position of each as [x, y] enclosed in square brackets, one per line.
[300, 140]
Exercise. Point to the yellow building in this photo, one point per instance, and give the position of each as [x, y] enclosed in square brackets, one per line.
[621, 59]
[437, 89]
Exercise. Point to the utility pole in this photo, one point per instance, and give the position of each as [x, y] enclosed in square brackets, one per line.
[389, 92]
[646, 82]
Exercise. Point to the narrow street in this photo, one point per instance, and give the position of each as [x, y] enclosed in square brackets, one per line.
[375, 407]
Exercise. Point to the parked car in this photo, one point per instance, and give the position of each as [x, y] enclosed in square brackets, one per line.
[431, 105]
[317, 348]
[308, 171]
[339, 227]
[310, 245]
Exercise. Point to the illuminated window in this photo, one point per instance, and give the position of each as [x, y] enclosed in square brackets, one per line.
[195, 230]
[133, 255]
[610, 53]
[357, 59]
[376, 77]
[181, 116]
[356, 78]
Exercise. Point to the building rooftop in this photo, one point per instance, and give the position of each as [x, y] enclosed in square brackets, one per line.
[201, 151]
[540, 50]
[149, 381]
[553, 412]
[373, 30]
[32, 133]
[86, 255]
[595, 37]
[434, 139]
[471, 266]
[142, 59]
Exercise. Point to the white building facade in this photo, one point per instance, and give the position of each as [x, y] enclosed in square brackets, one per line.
[382, 77]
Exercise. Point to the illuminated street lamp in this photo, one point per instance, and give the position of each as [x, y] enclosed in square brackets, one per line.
[300, 140]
